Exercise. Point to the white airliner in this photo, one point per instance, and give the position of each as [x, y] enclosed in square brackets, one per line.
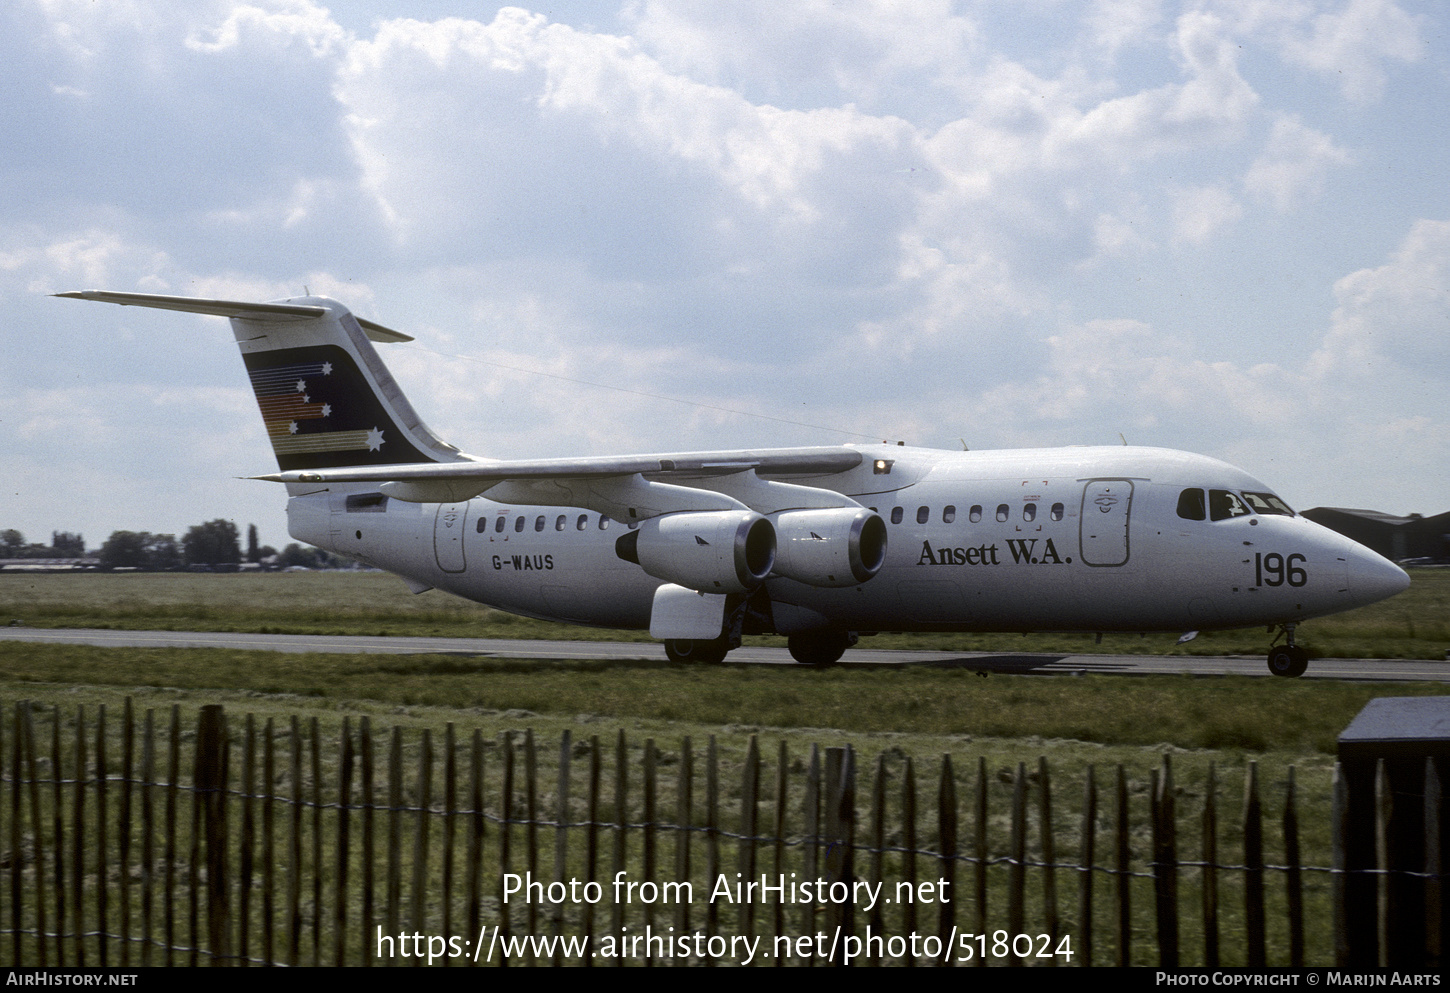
[817, 544]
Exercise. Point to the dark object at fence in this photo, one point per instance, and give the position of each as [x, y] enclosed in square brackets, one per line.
[1393, 757]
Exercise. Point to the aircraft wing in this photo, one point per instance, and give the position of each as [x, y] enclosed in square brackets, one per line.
[630, 487]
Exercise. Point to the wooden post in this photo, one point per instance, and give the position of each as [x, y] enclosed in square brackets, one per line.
[811, 850]
[1293, 885]
[648, 867]
[1165, 865]
[908, 856]
[315, 752]
[1123, 897]
[749, 798]
[148, 836]
[1434, 855]
[561, 837]
[211, 786]
[684, 822]
[417, 917]
[840, 809]
[103, 869]
[591, 842]
[1049, 857]
[476, 825]
[1253, 829]
[1017, 863]
[450, 824]
[979, 850]
[37, 828]
[123, 826]
[269, 854]
[294, 848]
[173, 779]
[1210, 870]
[344, 846]
[781, 783]
[57, 820]
[368, 917]
[712, 836]
[247, 842]
[505, 835]
[876, 874]
[621, 824]
[1086, 859]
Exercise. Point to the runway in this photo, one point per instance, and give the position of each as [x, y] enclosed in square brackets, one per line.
[1027, 663]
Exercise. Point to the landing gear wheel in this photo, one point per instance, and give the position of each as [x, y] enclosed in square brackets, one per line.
[820, 647]
[1288, 661]
[684, 650]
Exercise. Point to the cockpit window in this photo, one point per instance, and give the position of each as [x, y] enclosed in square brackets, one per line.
[1223, 504]
[1190, 505]
[1267, 503]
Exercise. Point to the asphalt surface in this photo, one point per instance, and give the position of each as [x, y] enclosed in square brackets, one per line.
[1388, 670]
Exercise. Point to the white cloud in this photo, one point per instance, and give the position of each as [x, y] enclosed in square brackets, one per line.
[1200, 212]
[1353, 44]
[1293, 165]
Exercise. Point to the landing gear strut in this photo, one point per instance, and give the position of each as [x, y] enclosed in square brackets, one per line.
[1288, 659]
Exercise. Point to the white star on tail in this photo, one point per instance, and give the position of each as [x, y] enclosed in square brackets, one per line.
[375, 440]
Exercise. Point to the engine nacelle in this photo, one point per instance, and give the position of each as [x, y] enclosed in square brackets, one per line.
[726, 551]
[841, 546]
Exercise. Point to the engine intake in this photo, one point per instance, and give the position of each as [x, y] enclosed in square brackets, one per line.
[729, 551]
[841, 546]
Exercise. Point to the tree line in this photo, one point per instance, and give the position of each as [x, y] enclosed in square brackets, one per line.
[214, 545]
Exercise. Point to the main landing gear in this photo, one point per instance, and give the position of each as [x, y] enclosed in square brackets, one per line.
[683, 650]
[1288, 659]
[820, 647]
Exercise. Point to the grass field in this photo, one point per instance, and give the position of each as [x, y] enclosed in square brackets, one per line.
[1076, 724]
[1413, 625]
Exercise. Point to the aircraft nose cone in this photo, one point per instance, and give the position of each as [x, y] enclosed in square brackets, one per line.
[1372, 577]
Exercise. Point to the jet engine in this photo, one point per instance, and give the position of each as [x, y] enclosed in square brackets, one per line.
[841, 546]
[728, 551]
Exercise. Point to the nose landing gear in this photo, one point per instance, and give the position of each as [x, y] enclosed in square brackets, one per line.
[1287, 660]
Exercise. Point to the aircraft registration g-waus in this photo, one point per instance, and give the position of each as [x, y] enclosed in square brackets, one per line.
[817, 544]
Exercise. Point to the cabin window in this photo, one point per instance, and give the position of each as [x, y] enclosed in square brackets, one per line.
[539, 523]
[1056, 513]
[603, 521]
[923, 514]
[583, 522]
[1029, 512]
[482, 525]
[1003, 511]
[498, 527]
[895, 515]
[948, 514]
[519, 524]
[1190, 505]
[1267, 503]
[559, 524]
[976, 513]
[1223, 504]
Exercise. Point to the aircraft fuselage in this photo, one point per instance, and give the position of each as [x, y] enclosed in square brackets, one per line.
[1052, 539]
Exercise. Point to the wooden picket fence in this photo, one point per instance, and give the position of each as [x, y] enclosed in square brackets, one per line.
[145, 841]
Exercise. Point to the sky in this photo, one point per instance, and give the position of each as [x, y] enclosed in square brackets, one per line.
[670, 226]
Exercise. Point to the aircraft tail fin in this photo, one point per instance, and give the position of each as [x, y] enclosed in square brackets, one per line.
[325, 396]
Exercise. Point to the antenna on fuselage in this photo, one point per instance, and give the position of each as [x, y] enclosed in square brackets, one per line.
[1125, 440]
